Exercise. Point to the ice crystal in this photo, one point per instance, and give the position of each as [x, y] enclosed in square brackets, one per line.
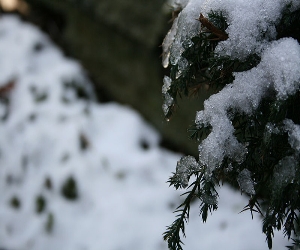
[293, 134]
[185, 27]
[210, 199]
[269, 130]
[185, 167]
[251, 24]
[251, 30]
[284, 173]
[271, 75]
[168, 99]
[245, 182]
[244, 96]
[282, 60]
[167, 84]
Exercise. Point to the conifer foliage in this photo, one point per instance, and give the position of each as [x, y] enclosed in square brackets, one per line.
[249, 130]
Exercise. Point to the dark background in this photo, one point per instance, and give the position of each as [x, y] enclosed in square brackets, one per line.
[118, 43]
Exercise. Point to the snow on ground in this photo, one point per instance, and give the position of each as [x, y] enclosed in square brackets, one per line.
[49, 135]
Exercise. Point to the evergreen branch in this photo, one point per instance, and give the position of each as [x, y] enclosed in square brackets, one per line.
[209, 198]
[197, 133]
[268, 224]
[271, 158]
[289, 226]
[295, 246]
[172, 234]
[253, 206]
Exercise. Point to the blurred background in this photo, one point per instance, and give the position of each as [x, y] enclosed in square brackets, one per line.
[85, 151]
[118, 43]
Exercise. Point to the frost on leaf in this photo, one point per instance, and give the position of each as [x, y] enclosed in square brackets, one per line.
[185, 167]
[167, 84]
[270, 129]
[293, 134]
[210, 199]
[245, 182]
[284, 173]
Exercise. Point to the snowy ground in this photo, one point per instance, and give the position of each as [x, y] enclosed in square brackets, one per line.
[48, 134]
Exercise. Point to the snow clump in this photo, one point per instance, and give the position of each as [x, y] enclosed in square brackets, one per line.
[244, 96]
[185, 167]
[251, 30]
[245, 182]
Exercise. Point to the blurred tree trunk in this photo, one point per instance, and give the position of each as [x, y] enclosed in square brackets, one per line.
[118, 43]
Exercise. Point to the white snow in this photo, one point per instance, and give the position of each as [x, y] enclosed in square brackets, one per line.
[185, 167]
[251, 25]
[251, 30]
[244, 96]
[282, 61]
[124, 202]
[245, 182]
